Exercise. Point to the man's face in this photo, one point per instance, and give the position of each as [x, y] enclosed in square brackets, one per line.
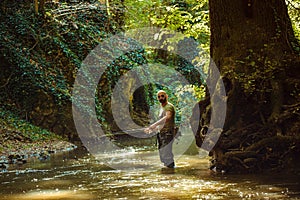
[162, 98]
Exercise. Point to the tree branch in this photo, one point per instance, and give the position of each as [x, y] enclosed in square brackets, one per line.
[7, 81]
[292, 5]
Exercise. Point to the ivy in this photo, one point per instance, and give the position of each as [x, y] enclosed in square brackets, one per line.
[12, 122]
[259, 71]
[44, 54]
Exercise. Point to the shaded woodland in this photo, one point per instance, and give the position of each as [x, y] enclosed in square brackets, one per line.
[254, 44]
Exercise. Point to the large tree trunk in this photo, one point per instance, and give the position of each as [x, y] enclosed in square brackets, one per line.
[252, 46]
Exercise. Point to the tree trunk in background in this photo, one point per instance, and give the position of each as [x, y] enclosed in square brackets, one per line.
[252, 44]
[36, 7]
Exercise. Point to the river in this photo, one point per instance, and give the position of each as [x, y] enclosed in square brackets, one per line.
[77, 175]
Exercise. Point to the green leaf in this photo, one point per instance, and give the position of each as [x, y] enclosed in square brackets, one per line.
[252, 63]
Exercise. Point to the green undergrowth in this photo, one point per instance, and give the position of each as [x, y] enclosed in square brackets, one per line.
[14, 128]
[43, 53]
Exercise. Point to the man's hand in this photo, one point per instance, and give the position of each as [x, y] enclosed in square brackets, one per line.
[150, 129]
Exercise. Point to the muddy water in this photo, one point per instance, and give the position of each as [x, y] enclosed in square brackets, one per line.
[78, 175]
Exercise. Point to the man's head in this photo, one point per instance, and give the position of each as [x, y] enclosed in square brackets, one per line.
[162, 96]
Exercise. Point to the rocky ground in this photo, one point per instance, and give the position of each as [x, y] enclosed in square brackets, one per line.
[16, 148]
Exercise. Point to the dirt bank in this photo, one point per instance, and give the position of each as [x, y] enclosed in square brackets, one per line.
[16, 148]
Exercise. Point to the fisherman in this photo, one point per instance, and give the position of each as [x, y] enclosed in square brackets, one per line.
[165, 128]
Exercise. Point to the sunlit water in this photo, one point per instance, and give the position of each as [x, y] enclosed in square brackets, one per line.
[78, 175]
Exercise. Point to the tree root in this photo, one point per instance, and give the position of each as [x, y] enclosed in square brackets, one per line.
[277, 153]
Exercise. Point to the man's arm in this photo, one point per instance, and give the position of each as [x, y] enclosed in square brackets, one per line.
[161, 121]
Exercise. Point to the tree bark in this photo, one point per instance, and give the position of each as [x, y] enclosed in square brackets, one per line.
[251, 44]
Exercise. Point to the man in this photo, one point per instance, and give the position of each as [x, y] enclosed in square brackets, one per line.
[165, 128]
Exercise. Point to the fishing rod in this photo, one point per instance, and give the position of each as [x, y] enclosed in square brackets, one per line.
[134, 132]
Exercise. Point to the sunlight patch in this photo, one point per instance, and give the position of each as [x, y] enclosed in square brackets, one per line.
[54, 194]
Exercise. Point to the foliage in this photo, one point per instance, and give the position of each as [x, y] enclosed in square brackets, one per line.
[31, 69]
[188, 95]
[45, 53]
[262, 69]
[188, 17]
[182, 94]
[294, 13]
[11, 122]
[114, 71]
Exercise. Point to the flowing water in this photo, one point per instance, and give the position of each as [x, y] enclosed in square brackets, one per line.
[77, 175]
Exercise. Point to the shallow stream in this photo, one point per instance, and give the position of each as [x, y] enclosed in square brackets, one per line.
[77, 175]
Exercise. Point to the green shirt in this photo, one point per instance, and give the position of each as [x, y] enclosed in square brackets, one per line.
[169, 124]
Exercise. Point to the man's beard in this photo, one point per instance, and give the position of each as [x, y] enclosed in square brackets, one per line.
[163, 100]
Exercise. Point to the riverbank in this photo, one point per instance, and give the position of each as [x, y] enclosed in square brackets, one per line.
[17, 148]
[20, 140]
[16, 152]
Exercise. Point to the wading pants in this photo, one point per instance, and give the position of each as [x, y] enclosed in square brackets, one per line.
[165, 143]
